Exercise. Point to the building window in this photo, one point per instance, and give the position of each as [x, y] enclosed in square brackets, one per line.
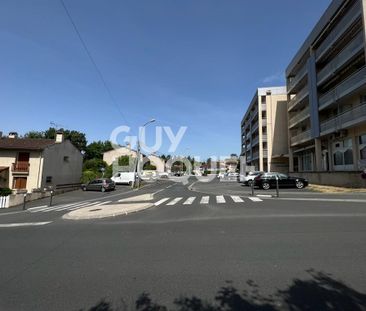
[307, 161]
[362, 139]
[20, 183]
[343, 155]
[264, 114]
[49, 179]
[363, 153]
[66, 159]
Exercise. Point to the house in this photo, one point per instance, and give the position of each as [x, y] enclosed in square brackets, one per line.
[111, 157]
[32, 164]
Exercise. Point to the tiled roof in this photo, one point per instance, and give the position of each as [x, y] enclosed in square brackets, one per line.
[25, 143]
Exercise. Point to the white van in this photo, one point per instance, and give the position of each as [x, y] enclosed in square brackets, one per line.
[123, 178]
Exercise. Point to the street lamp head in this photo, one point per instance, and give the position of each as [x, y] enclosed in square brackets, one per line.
[151, 121]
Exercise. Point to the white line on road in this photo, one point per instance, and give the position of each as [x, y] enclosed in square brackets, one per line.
[205, 200]
[36, 208]
[175, 201]
[189, 201]
[24, 224]
[254, 199]
[86, 205]
[220, 199]
[161, 201]
[237, 199]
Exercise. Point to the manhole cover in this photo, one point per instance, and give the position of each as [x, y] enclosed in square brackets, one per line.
[95, 210]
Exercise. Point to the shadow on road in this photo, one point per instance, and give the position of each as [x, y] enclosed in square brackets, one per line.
[321, 292]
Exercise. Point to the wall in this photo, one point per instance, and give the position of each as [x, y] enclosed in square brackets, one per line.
[341, 179]
[62, 171]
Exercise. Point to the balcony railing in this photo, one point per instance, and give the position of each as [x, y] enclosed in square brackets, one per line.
[345, 119]
[20, 167]
[298, 97]
[255, 141]
[339, 29]
[344, 88]
[302, 137]
[299, 76]
[355, 46]
[255, 127]
[255, 155]
[302, 115]
[264, 107]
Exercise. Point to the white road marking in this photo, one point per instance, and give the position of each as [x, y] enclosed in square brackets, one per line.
[86, 205]
[175, 201]
[161, 201]
[237, 199]
[205, 200]
[24, 224]
[189, 201]
[36, 208]
[254, 199]
[220, 199]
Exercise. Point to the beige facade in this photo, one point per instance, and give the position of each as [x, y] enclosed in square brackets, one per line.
[29, 164]
[264, 130]
[326, 84]
[111, 156]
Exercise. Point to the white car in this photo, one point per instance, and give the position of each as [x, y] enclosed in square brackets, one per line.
[248, 180]
[124, 178]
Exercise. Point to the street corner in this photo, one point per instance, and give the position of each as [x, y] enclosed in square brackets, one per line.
[105, 211]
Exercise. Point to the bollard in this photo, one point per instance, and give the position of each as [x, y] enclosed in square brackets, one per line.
[277, 188]
[51, 198]
[24, 200]
[252, 184]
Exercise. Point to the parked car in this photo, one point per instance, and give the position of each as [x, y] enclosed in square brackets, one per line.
[101, 184]
[268, 180]
[221, 175]
[124, 178]
[233, 176]
[248, 180]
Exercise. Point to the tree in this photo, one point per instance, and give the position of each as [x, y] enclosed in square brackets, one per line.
[78, 139]
[96, 149]
[34, 134]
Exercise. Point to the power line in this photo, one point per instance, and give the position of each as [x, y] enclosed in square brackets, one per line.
[92, 60]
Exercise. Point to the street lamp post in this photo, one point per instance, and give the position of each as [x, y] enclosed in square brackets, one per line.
[137, 166]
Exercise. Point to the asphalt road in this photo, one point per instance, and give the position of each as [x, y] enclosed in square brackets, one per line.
[191, 243]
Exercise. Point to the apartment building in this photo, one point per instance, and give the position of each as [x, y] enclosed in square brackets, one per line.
[31, 164]
[326, 87]
[264, 132]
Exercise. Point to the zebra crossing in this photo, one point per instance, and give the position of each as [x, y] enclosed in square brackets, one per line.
[65, 207]
[204, 200]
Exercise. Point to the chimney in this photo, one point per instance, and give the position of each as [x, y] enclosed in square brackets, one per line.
[13, 135]
[59, 137]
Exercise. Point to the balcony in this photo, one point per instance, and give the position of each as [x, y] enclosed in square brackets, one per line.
[302, 115]
[300, 138]
[351, 50]
[255, 155]
[255, 141]
[265, 153]
[253, 114]
[299, 76]
[20, 167]
[344, 120]
[352, 15]
[255, 127]
[346, 87]
[298, 98]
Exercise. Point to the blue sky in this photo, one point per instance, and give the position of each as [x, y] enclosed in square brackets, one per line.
[193, 63]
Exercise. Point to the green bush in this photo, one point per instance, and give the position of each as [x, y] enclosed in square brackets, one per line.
[88, 175]
[5, 192]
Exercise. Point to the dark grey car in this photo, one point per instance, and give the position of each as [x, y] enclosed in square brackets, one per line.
[100, 184]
